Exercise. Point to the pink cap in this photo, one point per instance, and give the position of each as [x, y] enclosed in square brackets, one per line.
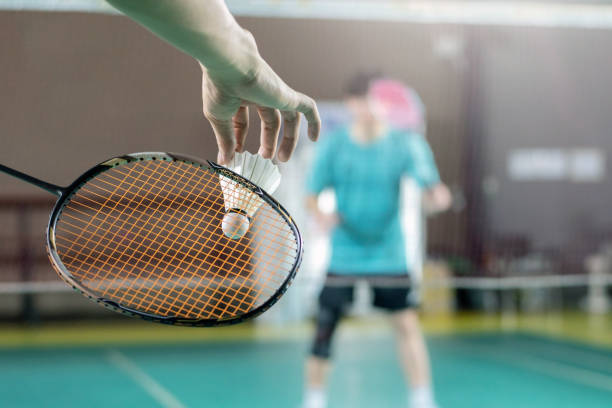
[402, 106]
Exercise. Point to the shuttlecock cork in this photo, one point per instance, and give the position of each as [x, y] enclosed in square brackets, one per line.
[241, 204]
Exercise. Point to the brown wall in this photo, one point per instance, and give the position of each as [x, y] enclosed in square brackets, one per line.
[79, 88]
[546, 88]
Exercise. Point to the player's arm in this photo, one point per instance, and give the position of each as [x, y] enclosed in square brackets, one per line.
[318, 179]
[436, 195]
[234, 75]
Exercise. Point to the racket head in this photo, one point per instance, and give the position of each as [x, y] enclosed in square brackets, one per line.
[203, 294]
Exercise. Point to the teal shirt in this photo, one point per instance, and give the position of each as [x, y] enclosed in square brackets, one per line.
[366, 180]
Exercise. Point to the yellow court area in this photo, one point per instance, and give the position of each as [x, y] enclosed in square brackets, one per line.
[571, 326]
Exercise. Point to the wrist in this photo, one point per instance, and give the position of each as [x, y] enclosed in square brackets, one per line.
[238, 59]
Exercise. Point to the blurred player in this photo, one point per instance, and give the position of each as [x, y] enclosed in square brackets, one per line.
[364, 164]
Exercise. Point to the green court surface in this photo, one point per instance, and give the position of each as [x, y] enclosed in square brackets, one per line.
[472, 370]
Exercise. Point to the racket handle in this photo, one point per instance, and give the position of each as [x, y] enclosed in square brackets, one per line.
[52, 188]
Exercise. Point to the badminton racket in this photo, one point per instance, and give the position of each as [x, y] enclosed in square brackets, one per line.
[141, 234]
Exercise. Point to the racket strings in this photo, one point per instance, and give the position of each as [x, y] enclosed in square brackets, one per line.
[183, 230]
[272, 229]
[238, 192]
[147, 235]
[277, 265]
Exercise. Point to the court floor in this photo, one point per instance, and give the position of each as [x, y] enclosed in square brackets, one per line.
[238, 367]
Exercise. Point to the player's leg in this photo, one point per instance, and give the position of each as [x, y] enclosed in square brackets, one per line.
[414, 357]
[318, 363]
[317, 366]
[411, 343]
[332, 301]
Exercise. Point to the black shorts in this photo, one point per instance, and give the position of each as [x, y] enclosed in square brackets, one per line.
[338, 291]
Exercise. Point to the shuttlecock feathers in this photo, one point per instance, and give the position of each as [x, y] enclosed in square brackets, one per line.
[240, 202]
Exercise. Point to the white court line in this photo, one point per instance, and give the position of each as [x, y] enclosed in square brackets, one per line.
[155, 389]
[544, 366]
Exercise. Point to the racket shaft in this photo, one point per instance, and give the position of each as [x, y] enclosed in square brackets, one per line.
[52, 188]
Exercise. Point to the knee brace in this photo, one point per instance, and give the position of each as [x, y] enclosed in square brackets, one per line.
[327, 321]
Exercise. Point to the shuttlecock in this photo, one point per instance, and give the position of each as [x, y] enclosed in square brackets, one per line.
[241, 204]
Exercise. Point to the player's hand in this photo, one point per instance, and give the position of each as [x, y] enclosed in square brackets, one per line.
[227, 102]
[437, 199]
[326, 221]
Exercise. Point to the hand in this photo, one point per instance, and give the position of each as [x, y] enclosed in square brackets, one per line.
[437, 199]
[326, 221]
[226, 104]
[235, 77]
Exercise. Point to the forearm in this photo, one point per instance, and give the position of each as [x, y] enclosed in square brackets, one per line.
[204, 29]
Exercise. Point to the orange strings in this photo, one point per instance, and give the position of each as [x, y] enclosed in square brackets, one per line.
[152, 229]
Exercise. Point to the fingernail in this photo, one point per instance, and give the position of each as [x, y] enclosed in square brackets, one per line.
[265, 153]
[312, 133]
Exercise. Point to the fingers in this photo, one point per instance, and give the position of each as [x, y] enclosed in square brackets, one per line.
[219, 108]
[308, 107]
[270, 127]
[299, 103]
[269, 90]
[296, 101]
[224, 107]
[291, 127]
[225, 139]
[241, 127]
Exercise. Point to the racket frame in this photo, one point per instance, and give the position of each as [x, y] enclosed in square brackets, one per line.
[64, 198]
